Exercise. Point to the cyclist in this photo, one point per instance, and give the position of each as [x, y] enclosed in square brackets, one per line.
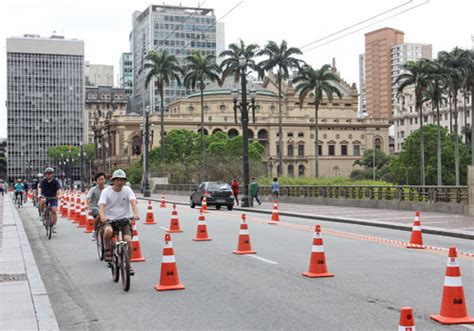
[34, 187]
[49, 188]
[2, 188]
[26, 186]
[114, 203]
[19, 190]
[93, 200]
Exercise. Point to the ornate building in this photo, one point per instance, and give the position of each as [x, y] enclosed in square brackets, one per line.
[343, 136]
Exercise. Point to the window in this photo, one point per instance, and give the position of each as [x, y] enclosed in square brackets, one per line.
[301, 171]
[290, 134]
[411, 121]
[356, 150]
[290, 150]
[378, 143]
[291, 170]
[343, 149]
[332, 150]
[426, 119]
[445, 117]
[320, 150]
[300, 150]
[301, 134]
[402, 134]
[402, 122]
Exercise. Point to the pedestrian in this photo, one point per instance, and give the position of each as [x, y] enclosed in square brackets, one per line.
[254, 191]
[2, 188]
[235, 190]
[275, 188]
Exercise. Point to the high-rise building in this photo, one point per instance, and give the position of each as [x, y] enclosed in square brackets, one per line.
[220, 41]
[177, 29]
[378, 70]
[126, 73]
[45, 100]
[362, 106]
[99, 74]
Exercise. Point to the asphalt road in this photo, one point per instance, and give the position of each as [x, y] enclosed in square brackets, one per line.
[372, 279]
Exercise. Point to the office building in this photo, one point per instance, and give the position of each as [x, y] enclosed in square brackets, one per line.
[99, 74]
[126, 73]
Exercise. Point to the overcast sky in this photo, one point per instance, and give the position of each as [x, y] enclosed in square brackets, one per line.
[105, 25]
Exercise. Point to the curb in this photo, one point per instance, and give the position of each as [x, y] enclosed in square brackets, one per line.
[347, 220]
[45, 316]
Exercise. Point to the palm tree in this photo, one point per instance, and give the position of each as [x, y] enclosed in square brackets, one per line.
[470, 85]
[164, 68]
[417, 74]
[434, 93]
[199, 69]
[230, 65]
[456, 61]
[316, 83]
[282, 58]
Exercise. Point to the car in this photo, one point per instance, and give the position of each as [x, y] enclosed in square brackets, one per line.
[217, 194]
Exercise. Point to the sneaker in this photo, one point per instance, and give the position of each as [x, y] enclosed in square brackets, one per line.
[54, 230]
[94, 236]
[132, 271]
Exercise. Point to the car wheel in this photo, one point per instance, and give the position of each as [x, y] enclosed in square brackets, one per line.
[230, 207]
[218, 207]
[191, 203]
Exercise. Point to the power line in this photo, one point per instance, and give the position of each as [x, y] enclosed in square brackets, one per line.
[358, 23]
[352, 32]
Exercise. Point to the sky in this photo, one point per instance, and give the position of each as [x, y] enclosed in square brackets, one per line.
[105, 25]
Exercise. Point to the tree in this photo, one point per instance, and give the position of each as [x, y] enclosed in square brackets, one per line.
[164, 68]
[230, 64]
[416, 74]
[316, 83]
[456, 68]
[58, 152]
[404, 165]
[199, 69]
[282, 58]
[469, 82]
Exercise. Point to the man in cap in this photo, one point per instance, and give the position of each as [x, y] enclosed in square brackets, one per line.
[48, 190]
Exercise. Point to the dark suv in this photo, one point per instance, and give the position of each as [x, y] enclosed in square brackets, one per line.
[217, 194]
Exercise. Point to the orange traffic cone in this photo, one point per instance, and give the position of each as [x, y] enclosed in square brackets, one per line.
[407, 322]
[82, 217]
[65, 211]
[77, 213]
[275, 215]
[90, 223]
[72, 210]
[204, 203]
[416, 238]
[174, 223]
[136, 248]
[169, 279]
[150, 219]
[317, 264]
[244, 246]
[163, 201]
[453, 303]
[201, 234]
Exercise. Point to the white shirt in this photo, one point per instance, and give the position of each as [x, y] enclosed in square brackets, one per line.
[117, 204]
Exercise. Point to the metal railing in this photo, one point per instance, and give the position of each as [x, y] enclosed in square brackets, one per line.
[429, 194]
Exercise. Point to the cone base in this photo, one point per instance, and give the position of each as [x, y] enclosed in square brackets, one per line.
[138, 259]
[159, 287]
[202, 239]
[244, 252]
[273, 222]
[174, 231]
[82, 226]
[452, 320]
[87, 231]
[148, 223]
[314, 275]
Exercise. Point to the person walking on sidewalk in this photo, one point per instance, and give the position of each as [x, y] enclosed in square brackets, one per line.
[254, 191]
[275, 188]
[235, 190]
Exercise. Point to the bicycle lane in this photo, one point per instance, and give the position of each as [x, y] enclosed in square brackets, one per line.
[25, 302]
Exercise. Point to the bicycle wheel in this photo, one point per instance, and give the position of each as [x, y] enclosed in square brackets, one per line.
[100, 246]
[125, 268]
[46, 222]
[115, 267]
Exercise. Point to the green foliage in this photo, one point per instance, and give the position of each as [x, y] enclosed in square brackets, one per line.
[405, 167]
[71, 152]
[319, 181]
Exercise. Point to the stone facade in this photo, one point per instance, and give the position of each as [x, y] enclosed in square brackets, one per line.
[343, 136]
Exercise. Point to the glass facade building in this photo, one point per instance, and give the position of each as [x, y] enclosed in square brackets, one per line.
[126, 73]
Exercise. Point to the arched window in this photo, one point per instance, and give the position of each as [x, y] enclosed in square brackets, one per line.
[336, 171]
[233, 133]
[205, 132]
[216, 130]
[262, 134]
[378, 143]
[290, 150]
[291, 171]
[301, 149]
[222, 108]
[251, 134]
[301, 171]
[136, 145]
[191, 108]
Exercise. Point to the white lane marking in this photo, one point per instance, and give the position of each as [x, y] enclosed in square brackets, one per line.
[467, 326]
[262, 259]
[163, 228]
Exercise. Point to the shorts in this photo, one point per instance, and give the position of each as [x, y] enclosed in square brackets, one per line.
[126, 230]
[53, 202]
[94, 212]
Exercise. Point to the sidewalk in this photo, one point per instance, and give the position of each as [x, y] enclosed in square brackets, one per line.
[435, 223]
[24, 303]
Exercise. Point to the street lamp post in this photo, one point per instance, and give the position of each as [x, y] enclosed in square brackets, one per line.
[81, 167]
[373, 155]
[244, 107]
[146, 183]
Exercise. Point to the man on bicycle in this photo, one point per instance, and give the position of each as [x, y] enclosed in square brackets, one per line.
[19, 190]
[27, 187]
[93, 200]
[114, 204]
[34, 187]
[48, 191]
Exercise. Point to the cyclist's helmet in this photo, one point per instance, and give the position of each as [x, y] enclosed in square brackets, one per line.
[19, 180]
[49, 170]
[119, 173]
[40, 175]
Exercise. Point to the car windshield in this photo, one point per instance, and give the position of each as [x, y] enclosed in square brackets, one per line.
[218, 186]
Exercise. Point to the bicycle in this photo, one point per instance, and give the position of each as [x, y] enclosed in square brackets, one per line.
[47, 218]
[120, 264]
[19, 199]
